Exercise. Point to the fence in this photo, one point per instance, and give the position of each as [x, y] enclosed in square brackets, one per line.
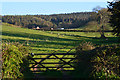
[60, 62]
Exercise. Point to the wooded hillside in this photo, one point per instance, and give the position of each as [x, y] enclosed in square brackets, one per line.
[67, 21]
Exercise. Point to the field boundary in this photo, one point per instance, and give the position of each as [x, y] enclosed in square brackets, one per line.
[38, 66]
[77, 30]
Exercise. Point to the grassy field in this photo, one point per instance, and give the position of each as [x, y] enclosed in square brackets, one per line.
[93, 25]
[50, 41]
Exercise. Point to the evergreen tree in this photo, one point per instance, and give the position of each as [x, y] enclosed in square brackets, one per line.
[114, 8]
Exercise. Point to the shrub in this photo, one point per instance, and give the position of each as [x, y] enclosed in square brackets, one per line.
[107, 62]
[84, 53]
[12, 56]
[102, 62]
[85, 46]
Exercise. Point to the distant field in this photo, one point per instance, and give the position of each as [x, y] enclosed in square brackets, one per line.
[50, 41]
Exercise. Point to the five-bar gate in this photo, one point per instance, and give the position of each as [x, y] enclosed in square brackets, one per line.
[55, 61]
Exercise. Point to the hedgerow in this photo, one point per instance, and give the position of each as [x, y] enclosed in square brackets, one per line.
[102, 62]
[13, 55]
[107, 62]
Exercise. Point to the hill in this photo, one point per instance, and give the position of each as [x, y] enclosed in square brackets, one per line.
[50, 41]
[93, 25]
[67, 21]
[80, 20]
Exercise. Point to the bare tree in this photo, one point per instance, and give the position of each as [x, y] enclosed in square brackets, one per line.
[102, 18]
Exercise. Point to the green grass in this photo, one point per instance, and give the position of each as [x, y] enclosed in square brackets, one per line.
[93, 25]
[48, 42]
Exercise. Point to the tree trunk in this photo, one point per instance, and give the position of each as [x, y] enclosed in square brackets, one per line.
[102, 32]
[102, 36]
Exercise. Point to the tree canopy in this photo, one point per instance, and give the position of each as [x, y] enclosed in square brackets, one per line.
[114, 8]
[102, 18]
[71, 20]
[88, 20]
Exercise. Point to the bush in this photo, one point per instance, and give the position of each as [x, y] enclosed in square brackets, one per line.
[12, 56]
[102, 62]
[85, 46]
[107, 62]
[84, 53]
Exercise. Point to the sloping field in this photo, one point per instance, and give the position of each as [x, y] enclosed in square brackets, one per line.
[50, 41]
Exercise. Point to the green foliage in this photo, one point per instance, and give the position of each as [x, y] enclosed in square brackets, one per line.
[72, 20]
[114, 8]
[107, 62]
[13, 55]
[102, 19]
[84, 53]
[27, 21]
[102, 62]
